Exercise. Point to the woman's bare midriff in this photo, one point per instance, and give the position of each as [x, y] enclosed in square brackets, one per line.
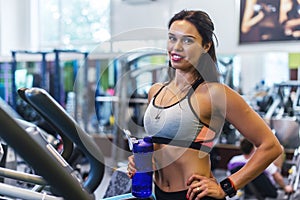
[176, 165]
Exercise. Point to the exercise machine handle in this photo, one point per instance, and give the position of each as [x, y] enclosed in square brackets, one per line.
[56, 115]
[67, 143]
[41, 159]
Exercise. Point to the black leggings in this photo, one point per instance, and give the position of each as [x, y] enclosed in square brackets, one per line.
[180, 195]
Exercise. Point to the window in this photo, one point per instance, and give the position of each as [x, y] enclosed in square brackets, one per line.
[73, 23]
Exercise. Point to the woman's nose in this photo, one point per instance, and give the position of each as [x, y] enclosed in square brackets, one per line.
[178, 45]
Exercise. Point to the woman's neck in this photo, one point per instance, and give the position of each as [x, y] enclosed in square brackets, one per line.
[181, 80]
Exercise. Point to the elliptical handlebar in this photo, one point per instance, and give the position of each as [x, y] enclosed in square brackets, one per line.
[67, 143]
[41, 159]
[56, 115]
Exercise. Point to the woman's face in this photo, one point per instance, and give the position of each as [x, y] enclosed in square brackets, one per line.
[184, 45]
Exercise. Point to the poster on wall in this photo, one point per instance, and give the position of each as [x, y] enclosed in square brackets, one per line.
[269, 21]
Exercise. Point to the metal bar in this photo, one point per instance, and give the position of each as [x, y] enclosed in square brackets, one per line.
[13, 80]
[117, 99]
[44, 70]
[8, 173]
[25, 194]
[86, 85]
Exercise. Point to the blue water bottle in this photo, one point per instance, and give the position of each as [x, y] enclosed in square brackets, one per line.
[142, 179]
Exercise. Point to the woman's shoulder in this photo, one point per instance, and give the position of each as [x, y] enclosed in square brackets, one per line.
[156, 86]
[216, 91]
[214, 88]
[154, 89]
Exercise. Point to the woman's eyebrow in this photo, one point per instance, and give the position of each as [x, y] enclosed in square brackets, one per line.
[192, 36]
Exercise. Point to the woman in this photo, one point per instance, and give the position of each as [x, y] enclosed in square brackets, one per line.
[290, 18]
[185, 116]
[259, 20]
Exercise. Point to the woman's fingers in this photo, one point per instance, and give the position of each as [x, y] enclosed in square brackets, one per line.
[200, 186]
[131, 167]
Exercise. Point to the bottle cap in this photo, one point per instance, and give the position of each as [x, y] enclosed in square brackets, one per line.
[148, 139]
[143, 145]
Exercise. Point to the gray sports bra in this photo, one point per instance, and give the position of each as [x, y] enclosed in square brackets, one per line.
[178, 124]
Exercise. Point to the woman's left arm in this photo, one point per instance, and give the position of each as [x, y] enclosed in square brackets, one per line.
[228, 104]
[254, 128]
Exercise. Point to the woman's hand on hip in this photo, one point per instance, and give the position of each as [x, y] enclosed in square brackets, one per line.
[201, 186]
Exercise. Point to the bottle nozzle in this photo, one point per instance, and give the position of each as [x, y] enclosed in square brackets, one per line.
[131, 140]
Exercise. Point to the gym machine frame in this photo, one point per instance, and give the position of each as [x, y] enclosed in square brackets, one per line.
[45, 161]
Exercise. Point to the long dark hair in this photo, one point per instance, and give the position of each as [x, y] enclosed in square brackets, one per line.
[207, 65]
